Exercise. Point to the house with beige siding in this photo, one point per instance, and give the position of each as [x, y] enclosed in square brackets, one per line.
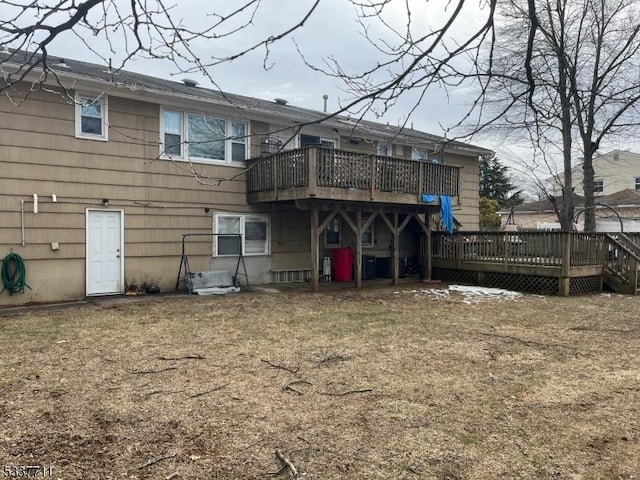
[104, 171]
[613, 172]
[616, 212]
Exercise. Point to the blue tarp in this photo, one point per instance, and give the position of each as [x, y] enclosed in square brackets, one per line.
[446, 209]
[446, 212]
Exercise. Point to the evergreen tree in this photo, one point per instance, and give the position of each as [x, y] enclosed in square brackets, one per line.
[495, 183]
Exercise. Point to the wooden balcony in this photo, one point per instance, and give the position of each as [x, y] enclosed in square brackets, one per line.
[330, 174]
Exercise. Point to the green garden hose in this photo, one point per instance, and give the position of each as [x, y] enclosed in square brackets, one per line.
[14, 274]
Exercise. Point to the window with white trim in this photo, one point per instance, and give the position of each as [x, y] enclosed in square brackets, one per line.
[598, 186]
[384, 149]
[91, 114]
[307, 140]
[332, 233]
[203, 138]
[253, 231]
[425, 156]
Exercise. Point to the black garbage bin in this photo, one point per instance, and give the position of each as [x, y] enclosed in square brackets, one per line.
[368, 267]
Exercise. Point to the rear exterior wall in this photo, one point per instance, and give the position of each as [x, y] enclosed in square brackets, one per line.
[40, 154]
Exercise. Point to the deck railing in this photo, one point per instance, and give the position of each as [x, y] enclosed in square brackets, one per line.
[523, 247]
[328, 167]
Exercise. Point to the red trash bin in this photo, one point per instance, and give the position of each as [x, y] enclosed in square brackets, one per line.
[343, 264]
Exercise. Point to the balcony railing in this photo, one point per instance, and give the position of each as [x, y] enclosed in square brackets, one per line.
[318, 172]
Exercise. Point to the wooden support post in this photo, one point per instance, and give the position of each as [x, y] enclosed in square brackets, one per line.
[421, 181]
[315, 249]
[274, 175]
[428, 267]
[372, 178]
[395, 257]
[359, 248]
[312, 173]
[633, 276]
[564, 285]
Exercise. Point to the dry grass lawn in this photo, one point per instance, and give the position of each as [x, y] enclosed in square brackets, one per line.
[384, 383]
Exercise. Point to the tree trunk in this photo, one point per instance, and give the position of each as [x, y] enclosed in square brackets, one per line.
[587, 186]
[568, 208]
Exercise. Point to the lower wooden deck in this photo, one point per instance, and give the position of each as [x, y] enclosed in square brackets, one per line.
[557, 263]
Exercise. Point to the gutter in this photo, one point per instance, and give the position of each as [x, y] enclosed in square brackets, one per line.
[136, 92]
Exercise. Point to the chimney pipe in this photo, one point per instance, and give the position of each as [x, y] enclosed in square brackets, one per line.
[325, 97]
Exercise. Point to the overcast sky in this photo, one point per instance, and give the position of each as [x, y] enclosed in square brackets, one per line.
[332, 31]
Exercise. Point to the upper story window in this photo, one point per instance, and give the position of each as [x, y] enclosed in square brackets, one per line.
[384, 149]
[92, 117]
[307, 140]
[203, 137]
[598, 186]
[637, 183]
[423, 155]
[418, 154]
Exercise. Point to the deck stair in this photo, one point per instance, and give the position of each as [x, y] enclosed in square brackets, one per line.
[622, 264]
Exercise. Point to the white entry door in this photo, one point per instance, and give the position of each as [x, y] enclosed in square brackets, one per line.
[104, 252]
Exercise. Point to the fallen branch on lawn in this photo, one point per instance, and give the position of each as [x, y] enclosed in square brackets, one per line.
[144, 372]
[348, 392]
[162, 392]
[156, 460]
[287, 463]
[209, 391]
[289, 388]
[283, 367]
[195, 356]
[528, 343]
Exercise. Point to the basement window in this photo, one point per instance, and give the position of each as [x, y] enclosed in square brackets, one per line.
[368, 239]
[332, 233]
[254, 231]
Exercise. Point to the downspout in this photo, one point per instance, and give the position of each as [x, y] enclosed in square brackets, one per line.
[22, 221]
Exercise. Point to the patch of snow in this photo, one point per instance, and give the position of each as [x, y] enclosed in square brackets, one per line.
[470, 294]
[483, 292]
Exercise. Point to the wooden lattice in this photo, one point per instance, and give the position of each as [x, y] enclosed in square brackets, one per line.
[584, 285]
[453, 275]
[522, 283]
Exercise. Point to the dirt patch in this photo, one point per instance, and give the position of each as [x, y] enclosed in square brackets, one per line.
[378, 384]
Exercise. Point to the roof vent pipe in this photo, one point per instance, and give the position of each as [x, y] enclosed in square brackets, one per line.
[325, 97]
[189, 82]
[280, 101]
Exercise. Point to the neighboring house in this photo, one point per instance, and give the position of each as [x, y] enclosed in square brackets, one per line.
[119, 165]
[613, 171]
[620, 210]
